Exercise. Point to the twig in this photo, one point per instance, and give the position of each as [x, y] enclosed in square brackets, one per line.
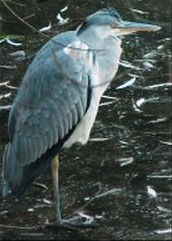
[21, 19]
[20, 227]
[15, 3]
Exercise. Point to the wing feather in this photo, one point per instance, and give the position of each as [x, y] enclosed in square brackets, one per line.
[39, 147]
[34, 149]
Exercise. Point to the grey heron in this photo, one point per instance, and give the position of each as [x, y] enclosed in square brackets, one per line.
[57, 101]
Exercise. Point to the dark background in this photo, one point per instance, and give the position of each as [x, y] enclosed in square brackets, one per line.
[129, 149]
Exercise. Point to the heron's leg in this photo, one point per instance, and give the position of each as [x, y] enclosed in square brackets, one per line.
[77, 220]
[55, 174]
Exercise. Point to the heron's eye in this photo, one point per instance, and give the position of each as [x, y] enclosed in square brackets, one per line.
[113, 25]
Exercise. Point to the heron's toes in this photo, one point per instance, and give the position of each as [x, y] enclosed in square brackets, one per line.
[80, 220]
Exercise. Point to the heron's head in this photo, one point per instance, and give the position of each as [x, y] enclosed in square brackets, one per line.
[108, 23]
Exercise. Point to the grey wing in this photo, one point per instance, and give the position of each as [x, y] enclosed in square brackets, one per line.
[46, 109]
[52, 99]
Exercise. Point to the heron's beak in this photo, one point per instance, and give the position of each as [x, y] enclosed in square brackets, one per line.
[130, 27]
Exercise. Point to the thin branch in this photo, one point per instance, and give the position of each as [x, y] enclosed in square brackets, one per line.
[20, 227]
[21, 19]
[15, 3]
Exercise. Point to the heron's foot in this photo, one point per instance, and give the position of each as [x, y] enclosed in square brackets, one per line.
[80, 220]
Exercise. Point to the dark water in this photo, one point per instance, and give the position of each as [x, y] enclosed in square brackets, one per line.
[122, 177]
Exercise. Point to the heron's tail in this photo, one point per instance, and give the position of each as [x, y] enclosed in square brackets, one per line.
[17, 178]
[11, 171]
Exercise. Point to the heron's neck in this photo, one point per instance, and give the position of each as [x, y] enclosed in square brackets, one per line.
[107, 61]
[102, 64]
[93, 37]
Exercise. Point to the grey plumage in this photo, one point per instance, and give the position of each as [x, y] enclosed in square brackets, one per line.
[42, 113]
